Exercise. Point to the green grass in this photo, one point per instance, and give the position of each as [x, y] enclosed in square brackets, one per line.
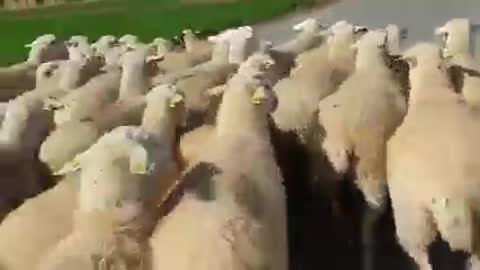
[146, 18]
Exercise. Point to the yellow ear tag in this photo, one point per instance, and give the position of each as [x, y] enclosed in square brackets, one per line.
[259, 95]
[139, 160]
[175, 100]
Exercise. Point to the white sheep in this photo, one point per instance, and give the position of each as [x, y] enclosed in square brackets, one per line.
[358, 119]
[243, 224]
[442, 189]
[136, 165]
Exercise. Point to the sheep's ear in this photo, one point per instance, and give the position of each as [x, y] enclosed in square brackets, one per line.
[71, 166]
[154, 59]
[51, 104]
[176, 99]
[217, 91]
[139, 163]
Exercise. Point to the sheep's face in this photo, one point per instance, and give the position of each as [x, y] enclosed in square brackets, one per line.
[42, 40]
[46, 71]
[143, 58]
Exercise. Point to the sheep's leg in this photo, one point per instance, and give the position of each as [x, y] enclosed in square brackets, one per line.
[371, 180]
[337, 152]
[414, 226]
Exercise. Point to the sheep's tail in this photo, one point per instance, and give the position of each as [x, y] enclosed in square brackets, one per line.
[455, 221]
[371, 170]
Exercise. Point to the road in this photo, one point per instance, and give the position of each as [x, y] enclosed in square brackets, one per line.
[419, 16]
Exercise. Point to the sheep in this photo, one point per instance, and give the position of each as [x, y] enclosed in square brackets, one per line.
[311, 80]
[342, 35]
[21, 77]
[29, 231]
[358, 119]
[456, 36]
[442, 191]
[60, 147]
[243, 224]
[197, 80]
[22, 130]
[116, 214]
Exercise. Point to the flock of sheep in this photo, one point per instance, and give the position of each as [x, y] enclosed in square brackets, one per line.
[126, 155]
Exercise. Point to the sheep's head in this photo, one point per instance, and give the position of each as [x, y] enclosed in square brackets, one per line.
[310, 25]
[257, 65]
[46, 48]
[189, 34]
[144, 58]
[372, 39]
[344, 32]
[128, 39]
[76, 41]
[104, 43]
[165, 100]
[455, 36]
[46, 71]
[162, 45]
[239, 40]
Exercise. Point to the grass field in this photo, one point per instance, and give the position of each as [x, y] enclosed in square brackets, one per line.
[145, 18]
